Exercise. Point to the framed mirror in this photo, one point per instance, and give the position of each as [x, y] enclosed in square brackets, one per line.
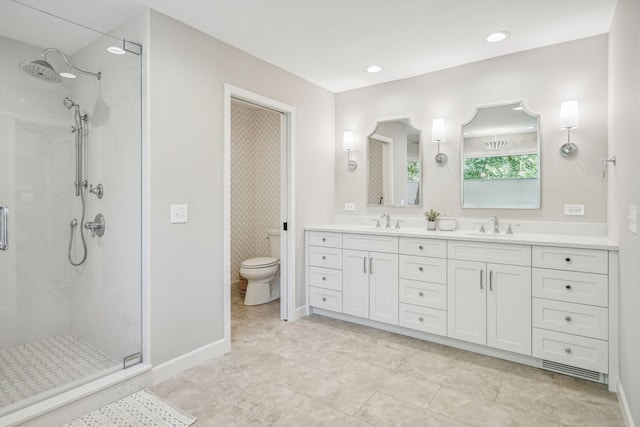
[394, 165]
[501, 158]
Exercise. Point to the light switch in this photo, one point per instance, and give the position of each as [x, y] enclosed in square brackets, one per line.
[633, 219]
[179, 214]
[349, 207]
[574, 210]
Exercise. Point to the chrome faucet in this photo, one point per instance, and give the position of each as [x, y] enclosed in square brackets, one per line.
[386, 216]
[496, 229]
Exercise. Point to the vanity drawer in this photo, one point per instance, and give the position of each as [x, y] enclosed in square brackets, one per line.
[423, 268]
[369, 242]
[423, 319]
[586, 260]
[325, 298]
[423, 247]
[498, 253]
[326, 278]
[579, 319]
[325, 257]
[570, 286]
[586, 353]
[324, 238]
[424, 294]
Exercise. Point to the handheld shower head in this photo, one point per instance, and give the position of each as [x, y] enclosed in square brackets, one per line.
[41, 69]
[69, 103]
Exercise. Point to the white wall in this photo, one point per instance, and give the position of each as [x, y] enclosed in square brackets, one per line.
[624, 110]
[541, 78]
[188, 70]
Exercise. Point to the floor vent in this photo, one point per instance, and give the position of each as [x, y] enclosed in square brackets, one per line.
[585, 374]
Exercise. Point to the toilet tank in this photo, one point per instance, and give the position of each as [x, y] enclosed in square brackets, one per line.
[274, 242]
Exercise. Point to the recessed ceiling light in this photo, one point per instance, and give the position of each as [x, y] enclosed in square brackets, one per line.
[68, 75]
[373, 68]
[116, 50]
[530, 127]
[497, 36]
[517, 108]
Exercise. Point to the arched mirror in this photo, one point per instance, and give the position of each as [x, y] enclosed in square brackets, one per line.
[394, 165]
[501, 158]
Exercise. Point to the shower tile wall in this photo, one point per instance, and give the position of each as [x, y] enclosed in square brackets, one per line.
[255, 182]
[36, 183]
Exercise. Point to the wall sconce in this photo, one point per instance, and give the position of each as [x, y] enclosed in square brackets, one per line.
[347, 145]
[437, 135]
[569, 119]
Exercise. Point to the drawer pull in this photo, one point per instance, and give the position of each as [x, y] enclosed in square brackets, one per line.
[324, 278]
[567, 259]
[421, 294]
[568, 318]
[324, 299]
[567, 287]
[421, 319]
[324, 239]
[567, 350]
[420, 269]
[324, 257]
[420, 247]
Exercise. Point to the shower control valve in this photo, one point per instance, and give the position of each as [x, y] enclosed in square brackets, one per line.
[96, 226]
[98, 190]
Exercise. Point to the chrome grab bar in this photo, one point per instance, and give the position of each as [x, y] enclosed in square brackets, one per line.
[4, 228]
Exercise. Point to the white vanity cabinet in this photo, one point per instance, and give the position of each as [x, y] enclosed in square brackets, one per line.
[325, 270]
[490, 303]
[370, 277]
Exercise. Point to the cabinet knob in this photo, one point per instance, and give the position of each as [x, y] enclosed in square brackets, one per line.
[324, 257]
[567, 259]
[567, 287]
[324, 278]
[421, 319]
[420, 268]
[421, 294]
[324, 239]
[567, 350]
[324, 299]
[420, 247]
[568, 318]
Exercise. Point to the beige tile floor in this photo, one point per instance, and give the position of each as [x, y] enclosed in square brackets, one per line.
[324, 372]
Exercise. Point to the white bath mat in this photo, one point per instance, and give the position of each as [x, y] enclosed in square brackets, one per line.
[140, 409]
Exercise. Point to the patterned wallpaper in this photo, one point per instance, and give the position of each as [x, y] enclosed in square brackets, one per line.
[376, 187]
[255, 182]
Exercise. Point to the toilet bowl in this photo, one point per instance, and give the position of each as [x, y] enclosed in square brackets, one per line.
[263, 274]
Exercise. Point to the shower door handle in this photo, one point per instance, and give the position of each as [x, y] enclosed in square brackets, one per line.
[4, 228]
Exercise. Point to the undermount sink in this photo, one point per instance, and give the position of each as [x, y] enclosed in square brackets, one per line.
[489, 235]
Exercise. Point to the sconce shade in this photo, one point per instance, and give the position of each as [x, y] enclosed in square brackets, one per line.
[437, 131]
[347, 140]
[569, 117]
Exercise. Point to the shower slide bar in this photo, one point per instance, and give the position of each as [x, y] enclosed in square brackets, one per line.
[4, 228]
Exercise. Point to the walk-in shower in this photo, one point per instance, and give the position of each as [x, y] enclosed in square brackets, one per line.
[70, 293]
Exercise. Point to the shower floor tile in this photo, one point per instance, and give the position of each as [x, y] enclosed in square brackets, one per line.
[33, 369]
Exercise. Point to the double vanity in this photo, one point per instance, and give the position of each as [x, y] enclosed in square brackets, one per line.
[542, 300]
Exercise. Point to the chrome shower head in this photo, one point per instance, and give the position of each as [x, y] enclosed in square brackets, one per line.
[41, 69]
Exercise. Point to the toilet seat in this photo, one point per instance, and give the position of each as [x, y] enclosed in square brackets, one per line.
[260, 262]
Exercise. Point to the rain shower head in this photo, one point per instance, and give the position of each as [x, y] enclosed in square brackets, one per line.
[41, 69]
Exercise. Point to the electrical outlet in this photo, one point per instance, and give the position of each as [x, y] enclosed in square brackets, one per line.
[574, 210]
[633, 219]
[349, 207]
[179, 214]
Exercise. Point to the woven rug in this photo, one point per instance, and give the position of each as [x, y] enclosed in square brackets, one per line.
[140, 409]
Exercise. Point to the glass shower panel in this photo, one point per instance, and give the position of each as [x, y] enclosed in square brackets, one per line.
[67, 318]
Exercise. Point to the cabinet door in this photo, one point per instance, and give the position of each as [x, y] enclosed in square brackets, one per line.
[509, 308]
[383, 287]
[355, 283]
[466, 301]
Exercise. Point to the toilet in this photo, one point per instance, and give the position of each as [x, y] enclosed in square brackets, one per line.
[263, 273]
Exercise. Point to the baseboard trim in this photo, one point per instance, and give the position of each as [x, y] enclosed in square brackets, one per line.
[624, 406]
[173, 367]
[301, 312]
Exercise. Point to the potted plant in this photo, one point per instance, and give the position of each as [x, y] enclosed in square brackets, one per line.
[432, 216]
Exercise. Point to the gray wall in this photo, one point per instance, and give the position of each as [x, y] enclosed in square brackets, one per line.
[541, 78]
[624, 179]
[187, 73]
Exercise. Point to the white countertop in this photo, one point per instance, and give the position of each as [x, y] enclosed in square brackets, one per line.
[588, 242]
